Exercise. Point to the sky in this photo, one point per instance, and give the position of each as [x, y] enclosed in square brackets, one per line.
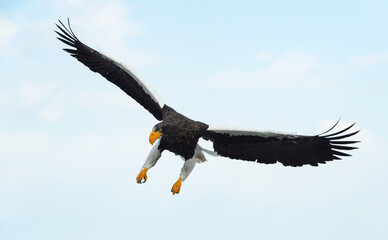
[72, 144]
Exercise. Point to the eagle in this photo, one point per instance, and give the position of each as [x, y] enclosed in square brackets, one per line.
[179, 134]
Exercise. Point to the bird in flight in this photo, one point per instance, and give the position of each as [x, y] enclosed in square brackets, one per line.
[180, 134]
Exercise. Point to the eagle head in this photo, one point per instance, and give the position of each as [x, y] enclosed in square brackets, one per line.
[155, 133]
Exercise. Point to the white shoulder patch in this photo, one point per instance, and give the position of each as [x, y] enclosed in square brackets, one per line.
[147, 89]
[250, 132]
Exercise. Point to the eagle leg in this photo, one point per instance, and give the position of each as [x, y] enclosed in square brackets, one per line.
[142, 176]
[176, 188]
[152, 158]
[186, 170]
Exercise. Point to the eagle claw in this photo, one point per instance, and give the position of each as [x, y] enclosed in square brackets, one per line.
[176, 188]
[142, 176]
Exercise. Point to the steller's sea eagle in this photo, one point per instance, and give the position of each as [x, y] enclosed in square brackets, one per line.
[179, 134]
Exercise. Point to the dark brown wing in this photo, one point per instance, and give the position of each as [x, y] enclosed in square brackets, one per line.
[290, 150]
[113, 71]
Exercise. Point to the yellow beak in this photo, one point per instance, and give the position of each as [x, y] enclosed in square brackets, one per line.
[154, 136]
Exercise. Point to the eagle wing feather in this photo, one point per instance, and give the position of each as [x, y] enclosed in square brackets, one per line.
[289, 149]
[113, 71]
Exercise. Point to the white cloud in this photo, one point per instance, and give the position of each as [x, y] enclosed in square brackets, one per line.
[32, 93]
[4, 98]
[39, 155]
[72, 3]
[8, 30]
[371, 59]
[262, 56]
[137, 59]
[107, 27]
[53, 110]
[22, 155]
[283, 71]
[109, 22]
[22, 143]
[46, 97]
[113, 99]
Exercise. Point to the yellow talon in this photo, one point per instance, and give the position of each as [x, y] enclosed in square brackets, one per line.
[142, 176]
[177, 186]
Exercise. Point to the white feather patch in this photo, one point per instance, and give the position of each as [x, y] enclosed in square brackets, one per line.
[153, 156]
[147, 89]
[250, 132]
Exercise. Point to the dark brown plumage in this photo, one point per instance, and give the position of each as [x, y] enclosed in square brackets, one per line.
[180, 134]
[290, 150]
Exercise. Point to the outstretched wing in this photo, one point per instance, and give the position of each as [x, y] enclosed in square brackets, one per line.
[289, 149]
[112, 71]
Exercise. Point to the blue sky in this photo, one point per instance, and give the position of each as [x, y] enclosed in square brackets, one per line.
[71, 143]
